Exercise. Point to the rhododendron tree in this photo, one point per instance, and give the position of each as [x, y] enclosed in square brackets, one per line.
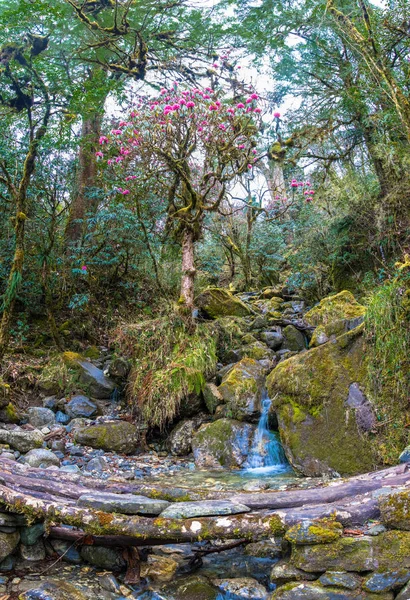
[191, 145]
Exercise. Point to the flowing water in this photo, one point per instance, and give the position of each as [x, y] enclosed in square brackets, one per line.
[266, 456]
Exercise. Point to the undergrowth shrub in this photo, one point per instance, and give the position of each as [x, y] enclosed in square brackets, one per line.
[388, 359]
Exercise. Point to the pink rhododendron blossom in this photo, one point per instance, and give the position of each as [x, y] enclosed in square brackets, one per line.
[241, 146]
[190, 104]
[276, 115]
[99, 154]
[122, 124]
[116, 131]
[257, 110]
[103, 139]
[240, 105]
[254, 96]
[249, 166]
[249, 100]
[84, 268]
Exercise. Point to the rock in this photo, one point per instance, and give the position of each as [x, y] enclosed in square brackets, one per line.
[242, 388]
[224, 443]
[242, 588]
[217, 302]
[159, 569]
[109, 582]
[376, 529]
[404, 594]
[194, 587]
[340, 579]
[7, 564]
[33, 553]
[30, 535]
[116, 436]
[272, 548]
[50, 402]
[364, 411]
[12, 520]
[10, 414]
[315, 591]
[67, 551]
[57, 445]
[40, 417]
[104, 558]
[71, 469]
[128, 504]
[386, 581]
[81, 406]
[405, 455]
[284, 572]
[387, 551]
[97, 464]
[203, 508]
[8, 543]
[54, 590]
[321, 531]
[259, 323]
[395, 510]
[97, 384]
[179, 441]
[212, 397]
[62, 418]
[257, 351]
[41, 458]
[22, 440]
[119, 368]
[333, 308]
[273, 339]
[318, 429]
[293, 339]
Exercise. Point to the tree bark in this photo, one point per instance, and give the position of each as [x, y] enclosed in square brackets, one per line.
[188, 269]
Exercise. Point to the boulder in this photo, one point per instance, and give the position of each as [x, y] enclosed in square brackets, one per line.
[321, 429]
[8, 543]
[104, 558]
[217, 302]
[395, 510]
[41, 458]
[340, 579]
[315, 591]
[320, 531]
[40, 417]
[127, 504]
[203, 508]
[273, 339]
[333, 316]
[212, 397]
[159, 569]
[22, 440]
[294, 339]
[115, 436]
[10, 414]
[386, 581]
[96, 383]
[242, 588]
[194, 587]
[242, 388]
[179, 442]
[284, 572]
[224, 443]
[54, 590]
[81, 407]
[256, 350]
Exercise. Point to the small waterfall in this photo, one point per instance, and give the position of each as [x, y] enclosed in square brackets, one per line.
[266, 455]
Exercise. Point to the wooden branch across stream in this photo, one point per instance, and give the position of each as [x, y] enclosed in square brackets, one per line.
[57, 498]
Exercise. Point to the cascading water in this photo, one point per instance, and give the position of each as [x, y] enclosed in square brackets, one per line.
[266, 455]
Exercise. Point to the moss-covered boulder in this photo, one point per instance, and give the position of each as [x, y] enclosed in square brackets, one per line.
[223, 443]
[293, 339]
[242, 388]
[115, 436]
[212, 397]
[395, 510]
[318, 423]
[316, 591]
[217, 302]
[321, 531]
[193, 587]
[333, 316]
[387, 551]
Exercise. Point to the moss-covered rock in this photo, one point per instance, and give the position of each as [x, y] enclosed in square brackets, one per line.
[321, 531]
[4, 393]
[293, 339]
[315, 591]
[318, 428]
[387, 551]
[242, 389]
[395, 510]
[193, 587]
[116, 436]
[223, 443]
[217, 302]
[212, 397]
[333, 308]
[257, 351]
[10, 414]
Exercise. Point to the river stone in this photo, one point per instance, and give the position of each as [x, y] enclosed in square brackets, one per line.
[320, 531]
[22, 440]
[405, 455]
[8, 543]
[273, 339]
[242, 588]
[41, 458]
[30, 535]
[67, 551]
[223, 443]
[203, 508]
[340, 579]
[160, 569]
[40, 417]
[314, 591]
[293, 339]
[217, 302]
[179, 441]
[33, 553]
[115, 436]
[386, 581]
[81, 406]
[62, 418]
[319, 431]
[54, 590]
[387, 551]
[128, 504]
[284, 572]
[272, 548]
[12, 520]
[212, 397]
[194, 587]
[242, 389]
[104, 558]
[97, 384]
[395, 510]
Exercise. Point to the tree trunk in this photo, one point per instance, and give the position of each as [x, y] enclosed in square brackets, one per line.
[85, 198]
[188, 269]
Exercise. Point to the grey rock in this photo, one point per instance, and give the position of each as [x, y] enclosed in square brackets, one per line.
[57, 446]
[12, 520]
[315, 591]
[404, 594]
[40, 417]
[272, 548]
[81, 406]
[62, 417]
[386, 581]
[50, 402]
[179, 441]
[30, 535]
[104, 558]
[116, 436]
[365, 416]
[129, 504]
[284, 572]
[8, 543]
[98, 385]
[97, 464]
[33, 553]
[212, 397]
[22, 440]
[242, 588]
[187, 510]
[341, 579]
[71, 469]
[7, 564]
[41, 457]
[194, 587]
[54, 590]
[119, 367]
[109, 582]
[273, 339]
[405, 455]
[67, 551]
[223, 443]
[376, 529]
[293, 339]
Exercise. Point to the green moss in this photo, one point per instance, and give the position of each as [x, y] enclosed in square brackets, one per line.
[218, 302]
[395, 510]
[92, 353]
[334, 308]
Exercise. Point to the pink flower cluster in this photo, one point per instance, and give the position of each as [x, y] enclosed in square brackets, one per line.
[303, 184]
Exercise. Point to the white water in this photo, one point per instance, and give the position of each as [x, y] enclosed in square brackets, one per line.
[266, 455]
